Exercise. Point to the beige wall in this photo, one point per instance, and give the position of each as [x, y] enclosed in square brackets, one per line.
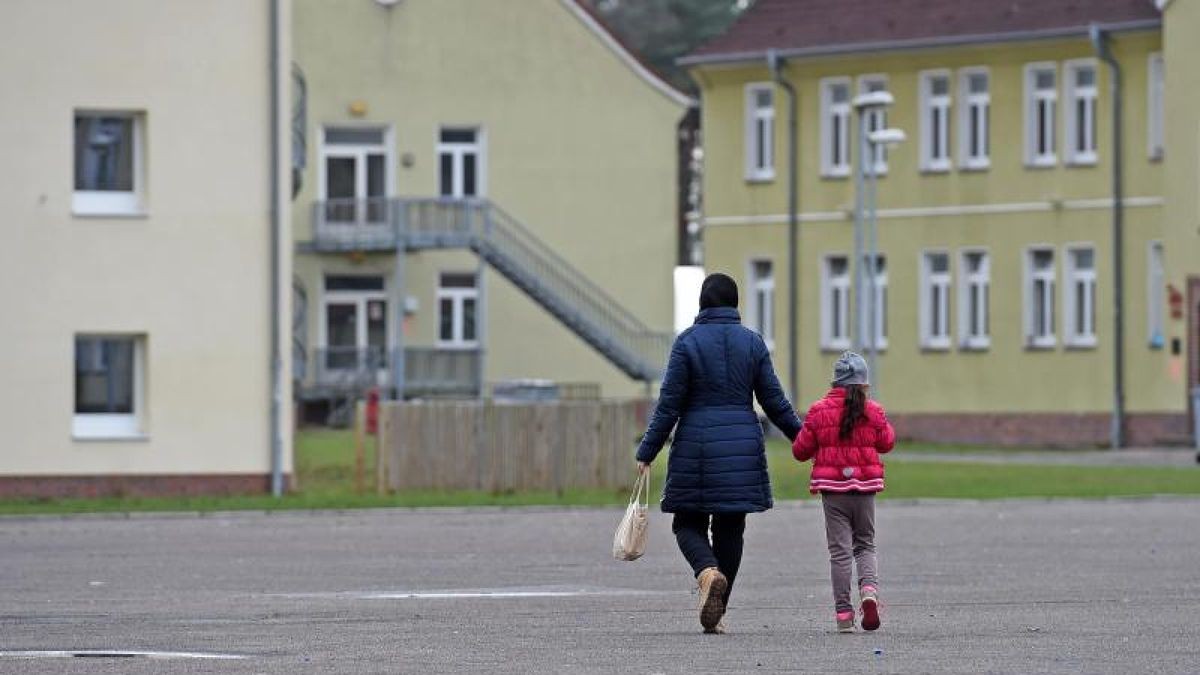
[921, 211]
[191, 274]
[578, 147]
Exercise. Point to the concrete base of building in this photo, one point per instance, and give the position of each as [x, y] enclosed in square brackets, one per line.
[1051, 430]
[86, 487]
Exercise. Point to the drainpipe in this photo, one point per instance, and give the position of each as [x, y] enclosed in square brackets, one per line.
[776, 65]
[277, 385]
[1100, 41]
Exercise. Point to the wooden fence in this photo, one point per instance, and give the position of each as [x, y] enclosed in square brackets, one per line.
[508, 446]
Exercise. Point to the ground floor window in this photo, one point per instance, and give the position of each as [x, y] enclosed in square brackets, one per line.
[354, 323]
[109, 374]
[761, 308]
[835, 303]
[457, 301]
[1039, 298]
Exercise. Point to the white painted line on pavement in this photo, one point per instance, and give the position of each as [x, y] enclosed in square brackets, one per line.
[111, 653]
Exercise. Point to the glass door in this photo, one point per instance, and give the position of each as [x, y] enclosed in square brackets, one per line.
[355, 186]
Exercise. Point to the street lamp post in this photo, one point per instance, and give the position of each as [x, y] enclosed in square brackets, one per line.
[864, 329]
[883, 138]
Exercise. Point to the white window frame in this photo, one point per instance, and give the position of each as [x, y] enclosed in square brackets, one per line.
[458, 297]
[931, 281]
[830, 286]
[974, 286]
[831, 112]
[761, 313]
[759, 169]
[361, 299]
[981, 128]
[1156, 293]
[1072, 122]
[876, 119]
[112, 202]
[881, 294]
[1048, 340]
[1033, 99]
[1155, 106]
[111, 426]
[457, 151]
[1073, 336]
[941, 106]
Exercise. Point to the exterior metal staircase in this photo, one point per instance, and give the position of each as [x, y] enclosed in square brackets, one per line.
[512, 250]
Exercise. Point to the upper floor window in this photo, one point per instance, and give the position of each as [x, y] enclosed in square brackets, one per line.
[935, 120]
[1080, 107]
[877, 118]
[835, 127]
[934, 307]
[760, 132]
[762, 300]
[1041, 103]
[109, 175]
[1154, 106]
[1080, 301]
[974, 113]
[835, 303]
[460, 153]
[1039, 298]
[974, 280]
[355, 181]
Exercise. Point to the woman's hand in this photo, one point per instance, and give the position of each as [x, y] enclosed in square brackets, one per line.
[643, 468]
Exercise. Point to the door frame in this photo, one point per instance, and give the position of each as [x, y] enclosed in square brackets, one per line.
[360, 299]
[359, 153]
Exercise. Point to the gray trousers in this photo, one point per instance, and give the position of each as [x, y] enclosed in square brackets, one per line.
[850, 532]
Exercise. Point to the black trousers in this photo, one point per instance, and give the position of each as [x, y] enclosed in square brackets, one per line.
[725, 549]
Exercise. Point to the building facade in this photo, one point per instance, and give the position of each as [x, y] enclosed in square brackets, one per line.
[137, 271]
[994, 281]
[527, 161]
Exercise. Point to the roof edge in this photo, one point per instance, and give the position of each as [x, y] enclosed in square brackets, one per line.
[919, 43]
[626, 57]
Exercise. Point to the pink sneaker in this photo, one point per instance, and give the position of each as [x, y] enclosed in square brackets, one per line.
[845, 622]
[870, 608]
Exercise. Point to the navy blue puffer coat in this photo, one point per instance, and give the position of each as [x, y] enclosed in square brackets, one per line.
[718, 463]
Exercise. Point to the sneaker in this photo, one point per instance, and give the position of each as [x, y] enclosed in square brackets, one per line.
[713, 585]
[845, 622]
[870, 608]
[719, 629]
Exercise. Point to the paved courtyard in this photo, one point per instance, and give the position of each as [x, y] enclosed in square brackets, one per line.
[1000, 587]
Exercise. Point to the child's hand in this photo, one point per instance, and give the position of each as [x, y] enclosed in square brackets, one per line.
[643, 468]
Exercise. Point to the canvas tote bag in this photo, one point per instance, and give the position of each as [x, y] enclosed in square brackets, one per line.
[630, 540]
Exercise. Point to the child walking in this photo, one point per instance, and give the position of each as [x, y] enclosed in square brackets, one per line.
[844, 433]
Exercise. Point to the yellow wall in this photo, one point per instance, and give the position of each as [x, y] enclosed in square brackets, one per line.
[191, 274]
[1003, 209]
[578, 147]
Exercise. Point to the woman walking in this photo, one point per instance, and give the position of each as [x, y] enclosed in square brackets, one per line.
[717, 468]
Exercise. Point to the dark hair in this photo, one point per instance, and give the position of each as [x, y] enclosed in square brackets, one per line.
[855, 410]
[718, 290]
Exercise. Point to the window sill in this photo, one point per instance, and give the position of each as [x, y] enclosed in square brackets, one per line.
[835, 175]
[758, 180]
[110, 215]
[976, 347]
[975, 168]
[109, 438]
[834, 348]
[936, 170]
[1081, 346]
[1082, 163]
[1043, 347]
[457, 346]
[935, 348]
[1042, 165]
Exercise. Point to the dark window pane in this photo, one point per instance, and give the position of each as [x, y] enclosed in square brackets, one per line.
[457, 280]
[354, 136]
[446, 319]
[339, 189]
[104, 153]
[458, 136]
[353, 283]
[469, 175]
[104, 375]
[446, 172]
[469, 319]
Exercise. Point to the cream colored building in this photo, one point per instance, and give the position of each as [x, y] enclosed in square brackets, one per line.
[519, 131]
[136, 269]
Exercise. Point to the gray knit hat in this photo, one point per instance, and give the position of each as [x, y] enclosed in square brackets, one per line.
[850, 369]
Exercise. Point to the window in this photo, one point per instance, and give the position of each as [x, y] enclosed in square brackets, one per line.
[1041, 100]
[108, 386]
[354, 325]
[762, 300]
[878, 302]
[457, 298]
[974, 111]
[1080, 106]
[1080, 297]
[974, 276]
[1039, 292]
[108, 164]
[935, 120]
[835, 127]
[934, 309]
[876, 119]
[760, 132]
[460, 165]
[1156, 291]
[835, 303]
[1154, 106]
[354, 183]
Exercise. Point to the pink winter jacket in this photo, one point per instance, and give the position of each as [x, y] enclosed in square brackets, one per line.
[844, 465]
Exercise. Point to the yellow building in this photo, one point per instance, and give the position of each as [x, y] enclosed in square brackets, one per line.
[526, 164]
[994, 294]
[138, 271]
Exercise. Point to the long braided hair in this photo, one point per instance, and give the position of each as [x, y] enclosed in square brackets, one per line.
[855, 409]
